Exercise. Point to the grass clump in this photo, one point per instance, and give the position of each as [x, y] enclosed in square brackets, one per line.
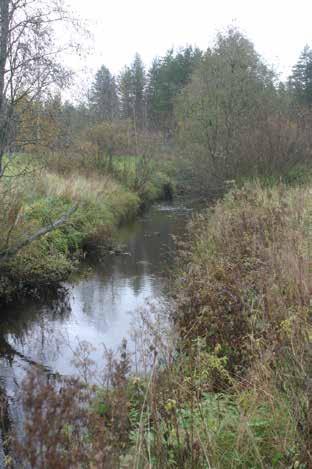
[150, 179]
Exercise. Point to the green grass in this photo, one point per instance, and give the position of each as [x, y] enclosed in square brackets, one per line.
[230, 387]
[151, 179]
[41, 198]
[232, 431]
[40, 195]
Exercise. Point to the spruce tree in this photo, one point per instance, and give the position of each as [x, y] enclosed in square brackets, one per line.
[132, 92]
[103, 96]
[166, 79]
[301, 78]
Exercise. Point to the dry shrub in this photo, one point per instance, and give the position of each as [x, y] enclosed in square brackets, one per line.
[245, 289]
[71, 423]
[277, 144]
[61, 431]
[247, 272]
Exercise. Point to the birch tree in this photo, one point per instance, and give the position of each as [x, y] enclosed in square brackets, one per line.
[30, 65]
[34, 35]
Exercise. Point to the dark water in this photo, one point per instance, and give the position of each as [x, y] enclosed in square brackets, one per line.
[99, 306]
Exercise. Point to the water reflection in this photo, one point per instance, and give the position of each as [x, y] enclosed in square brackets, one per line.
[99, 305]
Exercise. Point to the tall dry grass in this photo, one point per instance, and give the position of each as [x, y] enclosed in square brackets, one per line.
[245, 290]
[77, 187]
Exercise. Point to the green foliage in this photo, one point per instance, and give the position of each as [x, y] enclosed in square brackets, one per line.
[166, 79]
[150, 179]
[300, 81]
[298, 176]
[132, 83]
[230, 431]
[224, 109]
[102, 206]
[104, 201]
[104, 104]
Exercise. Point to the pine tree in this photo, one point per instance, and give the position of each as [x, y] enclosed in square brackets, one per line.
[301, 78]
[103, 96]
[166, 78]
[126, 94]
[139, 81]
[132, 92]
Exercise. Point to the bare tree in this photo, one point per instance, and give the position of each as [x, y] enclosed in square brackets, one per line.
[30, 66]
[221, 104]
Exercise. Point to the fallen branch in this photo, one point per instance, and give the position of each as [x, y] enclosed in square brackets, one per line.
[10, 252]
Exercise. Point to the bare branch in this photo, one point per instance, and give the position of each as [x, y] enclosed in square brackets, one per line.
[8, 253]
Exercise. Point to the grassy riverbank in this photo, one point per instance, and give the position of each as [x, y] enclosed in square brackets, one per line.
[235, 391]
[245, 323]
[38, 197]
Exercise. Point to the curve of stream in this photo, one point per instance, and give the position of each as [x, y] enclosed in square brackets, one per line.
[98, 308]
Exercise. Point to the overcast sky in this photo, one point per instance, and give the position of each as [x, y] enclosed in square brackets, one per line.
[278, 28]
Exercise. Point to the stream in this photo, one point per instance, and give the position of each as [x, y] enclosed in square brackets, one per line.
[99, 307]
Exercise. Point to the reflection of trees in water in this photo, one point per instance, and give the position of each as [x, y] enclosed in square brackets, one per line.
[32, 322]
[11, 411]
[148, 241]
[18, 320]
[17, 328]
[5, 423]
[136, 284]
[150, 244]
[97, 297]
[19, 324]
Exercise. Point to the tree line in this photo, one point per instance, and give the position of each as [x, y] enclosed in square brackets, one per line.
[148, 96]
[224, 111]
[209, 100]
[144, 97]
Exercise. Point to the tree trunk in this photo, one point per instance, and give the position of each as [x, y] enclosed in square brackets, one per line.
[10, 252]
[110, 160]
[4, 31]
